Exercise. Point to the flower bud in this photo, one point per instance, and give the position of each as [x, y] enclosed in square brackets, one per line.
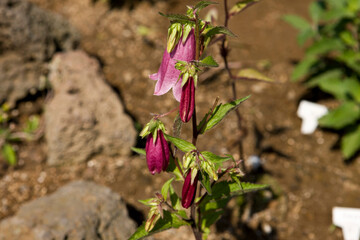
[153, 217]
[157, 152]
[189, 190]
[187, 101]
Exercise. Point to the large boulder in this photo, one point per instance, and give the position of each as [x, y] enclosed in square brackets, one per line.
[29, 37]
[77, 211]
[86, 117]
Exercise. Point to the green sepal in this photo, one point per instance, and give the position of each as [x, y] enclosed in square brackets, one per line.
[149, 202]
[174, 34]
[186, 31]
[165, 188]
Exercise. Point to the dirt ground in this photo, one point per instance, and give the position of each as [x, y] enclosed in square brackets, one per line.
[307, 173]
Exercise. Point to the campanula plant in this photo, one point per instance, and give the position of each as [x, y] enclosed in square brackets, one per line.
[204, 192]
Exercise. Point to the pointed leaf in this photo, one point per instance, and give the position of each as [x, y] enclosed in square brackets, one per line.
[252, 74]
[220, 112]
[227, 189]
[180, 143]
[347, 113]
[303, 67]
[9, 154]
[297, 22]
[205, 182]
[214, 158]
[165, 188]
[177, 18]
[170, 220]
[208, 62]
[139, 151]
[350, 143]
[203, 4]
[241, 6]
[324, 46]
[175, 200]
[218, 30]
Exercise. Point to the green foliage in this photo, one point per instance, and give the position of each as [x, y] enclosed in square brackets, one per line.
[181, 144]
[331, 62]
[9, 154]
[208, 62]
[169, 220]
[220, 111]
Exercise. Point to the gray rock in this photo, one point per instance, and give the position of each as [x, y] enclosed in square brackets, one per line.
[29, 37]
[77, 211]
[85, 117]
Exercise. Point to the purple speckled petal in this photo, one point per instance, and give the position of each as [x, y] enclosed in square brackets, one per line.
[167, 76]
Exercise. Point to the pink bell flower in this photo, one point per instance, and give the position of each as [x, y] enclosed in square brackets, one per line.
[187, 101]
[167, 76]
[189, 190]
[157, 154]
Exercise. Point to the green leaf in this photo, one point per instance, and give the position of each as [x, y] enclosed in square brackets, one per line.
[252, 74]
[297, 22]
[303, 67]
[148, 202]
[218, 30]
[219, 113]
[177, 18]
[342, 116]
[352, 86]
[175, 200]
[208, 62]
[205, 182]
[351, 59]
[324, 46]
[315, 10]
[173, 169]
[32, 124]
[241, 5]
[304, 35]
[9, 154]
[214, 158]
[165, 188]
[170, 220]
[139, 151]
[180, 143]
[326, 76]
[350, 143]
[227, 189]
[212, 211]
[203, 4]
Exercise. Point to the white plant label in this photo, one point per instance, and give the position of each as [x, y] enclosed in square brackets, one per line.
[310, 112]
[349, 220]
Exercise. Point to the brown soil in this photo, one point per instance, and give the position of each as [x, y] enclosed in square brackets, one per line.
[306, 172]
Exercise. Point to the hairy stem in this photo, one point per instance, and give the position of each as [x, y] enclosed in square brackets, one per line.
[224, 54]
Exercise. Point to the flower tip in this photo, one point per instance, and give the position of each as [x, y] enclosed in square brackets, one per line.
[154, 76]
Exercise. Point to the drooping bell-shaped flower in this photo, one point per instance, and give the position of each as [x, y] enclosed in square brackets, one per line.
[189, 189]
[157, 152]
[187, 101]
[168, 76]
